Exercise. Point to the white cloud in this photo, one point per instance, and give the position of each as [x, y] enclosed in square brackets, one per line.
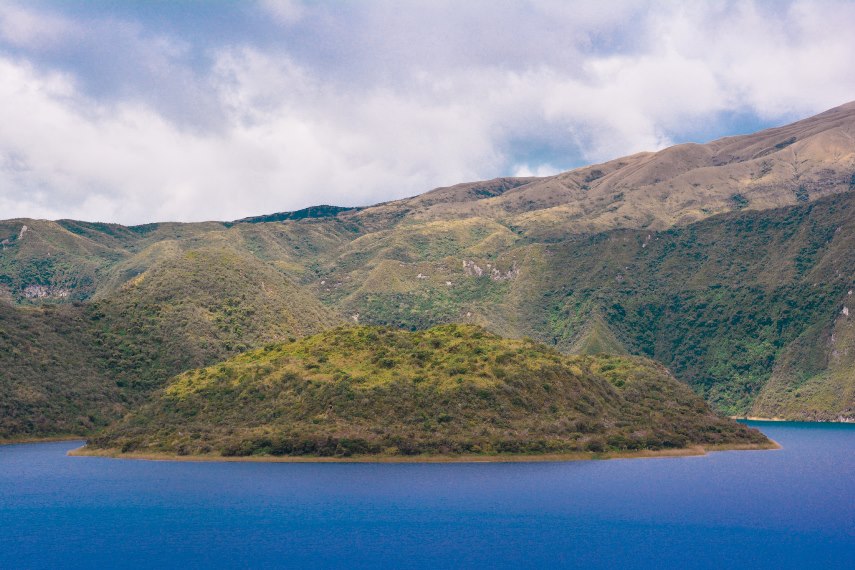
[526, 170]
[129, 164]
[285, 11]
[435, 101]
[24, 28]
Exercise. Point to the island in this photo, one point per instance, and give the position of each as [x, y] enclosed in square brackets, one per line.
[452, 392]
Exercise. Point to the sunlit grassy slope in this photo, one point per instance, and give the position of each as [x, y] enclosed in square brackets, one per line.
[727, 304]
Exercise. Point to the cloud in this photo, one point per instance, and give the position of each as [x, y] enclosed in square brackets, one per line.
[69, 156]
[369, 102]
[526, 170]
[27, 29]
[284, 11]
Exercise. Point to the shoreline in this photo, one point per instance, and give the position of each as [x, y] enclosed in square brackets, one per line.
[48, 439]
[694, 451]
[759, 419]
[776, 419]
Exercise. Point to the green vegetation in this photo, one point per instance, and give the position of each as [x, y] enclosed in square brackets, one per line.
[745, 308]
[447, 390]
[51, 382]
[310, 212]
[179, 315]
[70, 369]
[718, 302]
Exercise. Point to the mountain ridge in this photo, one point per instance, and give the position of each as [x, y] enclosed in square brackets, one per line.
[744, 305]
[599, 196]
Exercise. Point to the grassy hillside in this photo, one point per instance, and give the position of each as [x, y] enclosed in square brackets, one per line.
[43, 261]
[814, 379]
[747, 308]
[450, 389]
[788, 165]
[191, 308]
[68, 369]
[718, 301]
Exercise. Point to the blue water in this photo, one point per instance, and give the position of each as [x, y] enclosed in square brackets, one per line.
[792, 508]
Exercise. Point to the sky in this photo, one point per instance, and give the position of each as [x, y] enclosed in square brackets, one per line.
[135, 112]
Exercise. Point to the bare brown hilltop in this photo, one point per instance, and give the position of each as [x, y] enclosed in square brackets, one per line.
[787, 165]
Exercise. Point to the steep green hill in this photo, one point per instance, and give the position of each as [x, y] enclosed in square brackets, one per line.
[447, 390]
[747, 308]
[51, 379]
[191, 308]
[718, 301]
[68, 369]
[44, 261]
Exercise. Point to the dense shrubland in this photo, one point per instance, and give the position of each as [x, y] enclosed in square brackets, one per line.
[452, 389]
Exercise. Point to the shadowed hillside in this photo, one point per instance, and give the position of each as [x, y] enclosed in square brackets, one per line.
[52, 381]
[719, 302]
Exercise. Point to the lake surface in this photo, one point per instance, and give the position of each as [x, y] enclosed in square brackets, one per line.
[791, 508]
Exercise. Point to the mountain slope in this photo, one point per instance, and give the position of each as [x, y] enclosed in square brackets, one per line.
[44, 261]
[198, 306]
[814, 379]
[794, 164]
[745, 306]
[787, 165]
[51, 380]
[717, 301]
[448, 390]
[69, 369]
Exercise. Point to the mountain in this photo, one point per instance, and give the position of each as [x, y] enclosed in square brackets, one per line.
[51, 379]
[447, 390]
[721, 302]
[717, 301]
[190, 308]
[324, 211]
[788, 165]
[68, 369]
[710, 259]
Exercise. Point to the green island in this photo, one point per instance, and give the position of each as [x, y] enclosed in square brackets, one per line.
[453, 391]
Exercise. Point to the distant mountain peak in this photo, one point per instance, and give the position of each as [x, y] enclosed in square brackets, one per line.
[321, 211]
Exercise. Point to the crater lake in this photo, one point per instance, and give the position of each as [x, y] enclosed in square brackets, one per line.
[787, 508]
